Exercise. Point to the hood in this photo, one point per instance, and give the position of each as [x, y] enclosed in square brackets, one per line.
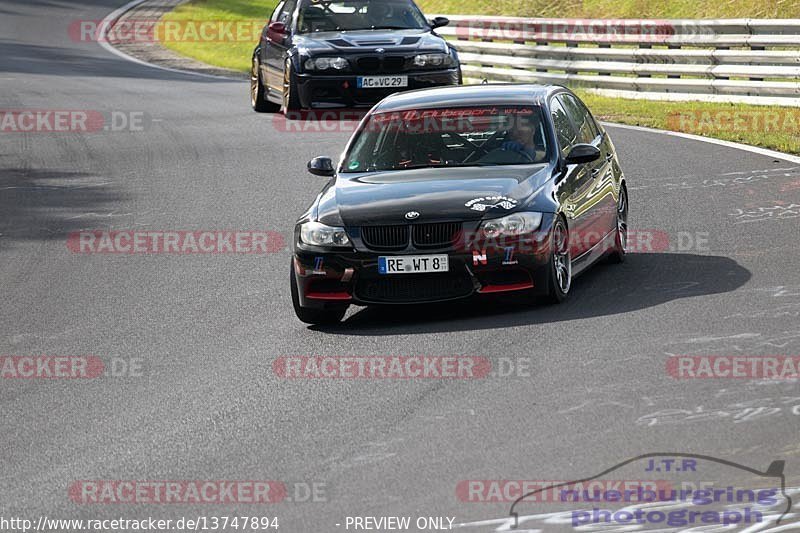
[366, 41]
[437, 194]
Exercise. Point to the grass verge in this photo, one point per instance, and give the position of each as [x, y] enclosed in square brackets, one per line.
[690, 9]
[233, 54]
[773, 127]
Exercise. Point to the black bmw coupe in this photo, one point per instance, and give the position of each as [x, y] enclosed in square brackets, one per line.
[448, 193]
[347, 53]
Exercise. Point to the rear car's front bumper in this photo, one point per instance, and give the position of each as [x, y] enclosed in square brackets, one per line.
[331, 278]
[324, 90]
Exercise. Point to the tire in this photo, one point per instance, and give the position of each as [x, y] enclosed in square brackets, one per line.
[291, 98]
[560, 264]
[329, 315]
[258, 97]
[621, 238]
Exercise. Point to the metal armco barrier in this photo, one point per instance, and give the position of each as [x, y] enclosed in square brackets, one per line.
[732, 59]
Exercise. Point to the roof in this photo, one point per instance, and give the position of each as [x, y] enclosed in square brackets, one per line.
[465, 95]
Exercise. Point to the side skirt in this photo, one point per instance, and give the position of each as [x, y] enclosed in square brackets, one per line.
[597, 252]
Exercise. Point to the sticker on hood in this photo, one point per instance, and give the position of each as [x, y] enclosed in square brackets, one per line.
[491, 202]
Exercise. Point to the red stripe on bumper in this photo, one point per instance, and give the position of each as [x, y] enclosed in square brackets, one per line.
[506, 288]
[328, 296]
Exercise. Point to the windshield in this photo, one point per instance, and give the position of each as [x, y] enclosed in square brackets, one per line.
[360, 15]
[449, 137]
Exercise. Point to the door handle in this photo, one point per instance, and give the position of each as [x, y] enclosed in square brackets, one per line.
[609, 156]
[595, 172]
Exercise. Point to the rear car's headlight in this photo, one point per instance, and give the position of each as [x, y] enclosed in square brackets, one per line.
[318, 234]
[516, 224]
[433, 60]
[326, 63]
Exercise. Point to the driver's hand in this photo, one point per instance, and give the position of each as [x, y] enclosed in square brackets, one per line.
[512, 146]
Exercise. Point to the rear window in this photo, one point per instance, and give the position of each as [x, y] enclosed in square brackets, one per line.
[447, 137]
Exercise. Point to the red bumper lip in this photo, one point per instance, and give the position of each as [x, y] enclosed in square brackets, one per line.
[489, 289]
[330, 296]
[486, 289]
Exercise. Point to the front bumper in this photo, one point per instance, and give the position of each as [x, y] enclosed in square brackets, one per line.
[334, 278]
[330, 90]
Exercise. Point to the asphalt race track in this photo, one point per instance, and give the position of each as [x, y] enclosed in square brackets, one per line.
[206, 404]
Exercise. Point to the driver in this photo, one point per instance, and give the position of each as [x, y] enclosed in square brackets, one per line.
[379, 14]
[520, 139]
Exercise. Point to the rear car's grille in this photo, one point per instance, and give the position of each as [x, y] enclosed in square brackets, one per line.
[393, 63]
[368, 64]
[381, 64]
[385, 237]
[435, 235]
[406, 288]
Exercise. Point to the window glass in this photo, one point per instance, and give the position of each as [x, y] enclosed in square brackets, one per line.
[448, 137]
[567, 137]
[278, 9]
[285, 15]
[348, 15]
[587, 129]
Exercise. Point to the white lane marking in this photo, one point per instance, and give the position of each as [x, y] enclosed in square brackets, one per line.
[112, 17]
[714, 339]
[754, 149]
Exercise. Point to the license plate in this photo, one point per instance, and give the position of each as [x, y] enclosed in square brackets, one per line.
[374, 82]
[412, 264]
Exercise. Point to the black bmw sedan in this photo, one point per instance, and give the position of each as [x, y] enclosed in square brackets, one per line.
[455, 192]
[347, 53]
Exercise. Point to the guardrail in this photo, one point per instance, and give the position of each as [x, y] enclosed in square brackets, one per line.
[752, 60]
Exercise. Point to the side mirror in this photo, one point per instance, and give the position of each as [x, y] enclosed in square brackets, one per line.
[321, 166]
[276, 31]
[583, 153]
[438, 22]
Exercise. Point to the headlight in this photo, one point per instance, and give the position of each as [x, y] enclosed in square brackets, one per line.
[433, 60]
[318, 234]
[326, 63]
[516, 224]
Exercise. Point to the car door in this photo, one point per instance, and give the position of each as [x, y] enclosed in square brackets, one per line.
[265, 41]
[276, 45]
[601, 194]
[576, 184]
